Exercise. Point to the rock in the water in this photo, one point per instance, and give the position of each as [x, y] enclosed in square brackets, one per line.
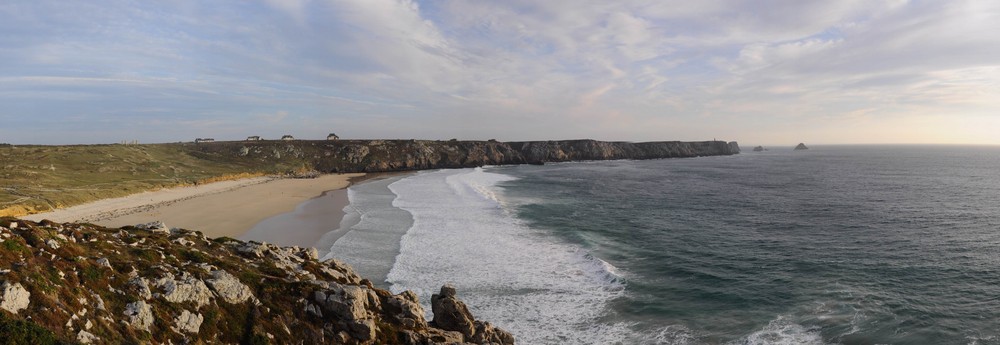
[801, 146]
[139, 314]
[14, 297]
[758, 149]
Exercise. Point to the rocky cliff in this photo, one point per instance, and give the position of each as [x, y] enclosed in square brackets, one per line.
[396, 155]
[39, 178]
[80, 283]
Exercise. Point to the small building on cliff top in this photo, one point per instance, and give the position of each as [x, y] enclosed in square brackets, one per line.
[253, 138]
[204, 140]
[332, 137]
[287, 137]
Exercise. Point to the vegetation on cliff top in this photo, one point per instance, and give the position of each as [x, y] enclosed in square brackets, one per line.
[80, 283]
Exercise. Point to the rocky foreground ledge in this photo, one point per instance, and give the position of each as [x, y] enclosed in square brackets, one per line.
[82, 283]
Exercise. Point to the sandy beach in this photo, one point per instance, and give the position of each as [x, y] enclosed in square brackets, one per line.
[229, 208]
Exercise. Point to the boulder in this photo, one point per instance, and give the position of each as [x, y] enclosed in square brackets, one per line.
[188, 322]
[186, 289]
[486, 333]
[801, 146]
[406, 309]
[14, 297]
[229, 288]
[155, 227]
[139, 314]
[450, 314]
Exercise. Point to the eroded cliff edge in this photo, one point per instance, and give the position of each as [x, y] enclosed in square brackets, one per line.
[80, 283]
[396, 155]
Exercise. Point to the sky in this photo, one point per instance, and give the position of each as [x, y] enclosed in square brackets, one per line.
[759, 72]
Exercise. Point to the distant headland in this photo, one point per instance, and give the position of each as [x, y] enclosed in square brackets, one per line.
[41, 178]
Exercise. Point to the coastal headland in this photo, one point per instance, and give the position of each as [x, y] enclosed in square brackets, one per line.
[114, 281]
[36, 179]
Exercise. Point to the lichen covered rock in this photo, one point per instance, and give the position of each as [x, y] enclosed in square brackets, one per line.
[131, 285]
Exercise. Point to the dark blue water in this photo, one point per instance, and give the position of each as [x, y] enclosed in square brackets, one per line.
[838, 244]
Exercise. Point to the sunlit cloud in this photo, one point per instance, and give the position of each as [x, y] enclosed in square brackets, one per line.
[773, 72]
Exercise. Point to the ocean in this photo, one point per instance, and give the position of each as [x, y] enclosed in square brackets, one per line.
[832, 245]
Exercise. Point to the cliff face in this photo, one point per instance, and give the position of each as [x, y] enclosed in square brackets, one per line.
[79, 283]
[396, 155]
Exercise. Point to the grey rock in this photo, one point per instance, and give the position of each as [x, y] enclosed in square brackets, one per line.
[229, 288]
[188, 322]
[156, 227]
[141, 287]
[186, 289]
[450, 314]
[14, 297]
[139, 314]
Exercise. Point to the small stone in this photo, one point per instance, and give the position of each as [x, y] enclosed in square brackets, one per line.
[104, 262]
[52, 244]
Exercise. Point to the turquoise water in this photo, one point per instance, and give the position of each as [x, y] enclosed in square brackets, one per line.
[839, 244]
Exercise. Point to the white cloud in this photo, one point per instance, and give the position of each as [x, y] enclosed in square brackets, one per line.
[526, 69]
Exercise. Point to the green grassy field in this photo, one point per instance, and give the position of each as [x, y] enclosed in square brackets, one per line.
[39, 178]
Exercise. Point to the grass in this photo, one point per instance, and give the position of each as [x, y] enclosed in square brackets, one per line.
[25, 332]
[38, 178]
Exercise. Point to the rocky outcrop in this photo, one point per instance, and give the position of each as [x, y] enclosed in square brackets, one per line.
[801, 146]
[398, 155]
[451, 314]
[150, 285]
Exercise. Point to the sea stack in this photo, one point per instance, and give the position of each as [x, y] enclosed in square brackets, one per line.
[801, 146]
[758, 149]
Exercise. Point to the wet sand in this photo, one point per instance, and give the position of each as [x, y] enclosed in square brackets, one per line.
[313, 223]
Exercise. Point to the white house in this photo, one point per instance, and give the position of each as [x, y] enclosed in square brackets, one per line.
[332, 137]
[287, 137]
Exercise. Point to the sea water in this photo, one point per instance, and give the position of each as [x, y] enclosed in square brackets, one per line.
[838, 244]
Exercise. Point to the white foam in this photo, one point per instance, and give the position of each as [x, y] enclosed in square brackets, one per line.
[541, 289]
[371, 230]
[782, 331]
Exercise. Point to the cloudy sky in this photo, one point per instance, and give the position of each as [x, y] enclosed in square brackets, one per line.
[760, 72]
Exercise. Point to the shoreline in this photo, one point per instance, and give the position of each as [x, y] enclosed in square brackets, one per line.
[228, 208]
[316, 222]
